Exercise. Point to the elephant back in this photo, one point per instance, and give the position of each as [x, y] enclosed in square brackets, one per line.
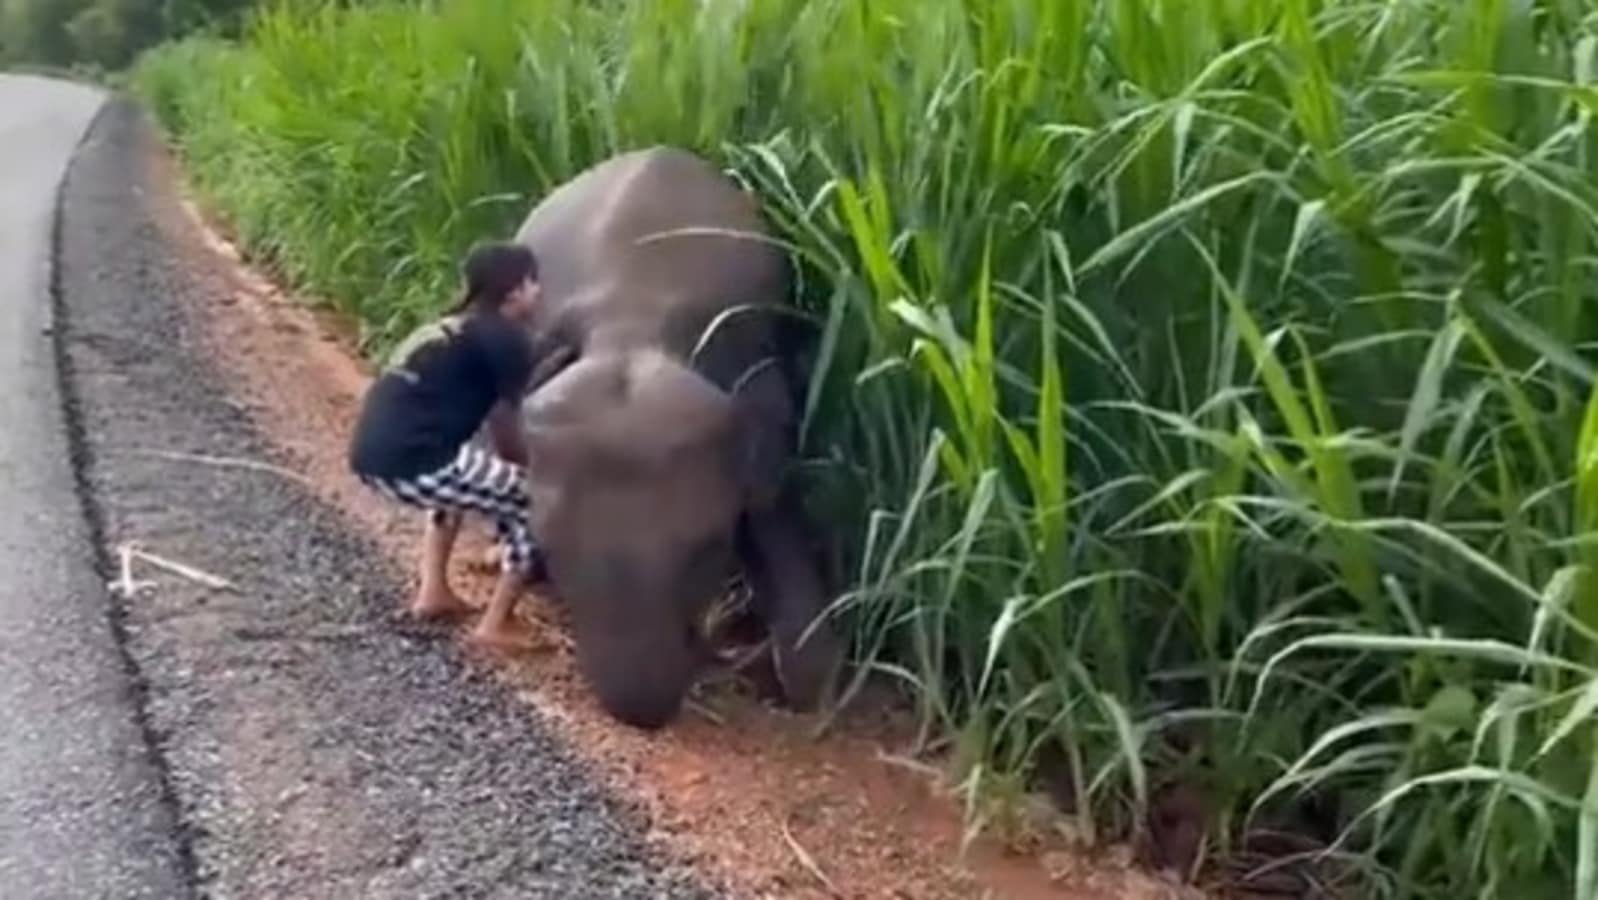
[652, 248]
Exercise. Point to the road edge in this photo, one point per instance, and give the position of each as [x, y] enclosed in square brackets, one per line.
[79, 461]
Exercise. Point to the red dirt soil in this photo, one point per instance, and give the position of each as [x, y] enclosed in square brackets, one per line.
[742, 790]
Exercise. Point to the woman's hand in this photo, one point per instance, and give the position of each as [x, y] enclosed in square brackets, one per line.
[557, 359]
[505, 431]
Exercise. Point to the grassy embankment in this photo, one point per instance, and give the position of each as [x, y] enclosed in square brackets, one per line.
[1204, 387]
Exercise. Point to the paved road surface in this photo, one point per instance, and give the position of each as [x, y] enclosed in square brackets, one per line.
[81, 811]
[301, 744]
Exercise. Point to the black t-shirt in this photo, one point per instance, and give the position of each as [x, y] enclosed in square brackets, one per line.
[440, 385]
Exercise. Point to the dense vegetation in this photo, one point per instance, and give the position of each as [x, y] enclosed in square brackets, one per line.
[102, 35]
[1203, 389]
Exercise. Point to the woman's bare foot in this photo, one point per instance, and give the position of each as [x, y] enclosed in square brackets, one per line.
[499, 628]
[438, 603]
[434, 599]
[510, 636]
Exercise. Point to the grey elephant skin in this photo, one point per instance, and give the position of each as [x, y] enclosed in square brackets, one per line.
[659, 454]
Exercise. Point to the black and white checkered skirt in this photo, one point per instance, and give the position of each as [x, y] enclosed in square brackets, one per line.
[476, 481]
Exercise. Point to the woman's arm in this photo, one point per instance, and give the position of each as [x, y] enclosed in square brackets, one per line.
[504, 424]
[558, 358]
[505, 430]
[519, 376]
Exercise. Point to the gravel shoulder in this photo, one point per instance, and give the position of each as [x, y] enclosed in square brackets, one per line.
[314, 745]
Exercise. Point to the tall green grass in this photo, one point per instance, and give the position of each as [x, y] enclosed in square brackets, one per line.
[1202, 389]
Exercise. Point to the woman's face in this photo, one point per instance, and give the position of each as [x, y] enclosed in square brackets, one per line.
[521, 302]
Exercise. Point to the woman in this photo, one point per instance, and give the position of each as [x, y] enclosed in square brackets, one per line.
[413, 439]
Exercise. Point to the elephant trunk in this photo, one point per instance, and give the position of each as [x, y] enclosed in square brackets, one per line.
[637, 655]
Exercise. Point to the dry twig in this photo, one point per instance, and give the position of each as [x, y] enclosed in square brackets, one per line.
[702, 709]
[808, 861]
[182, 570]
[125, 585]
[226, 462]
[128, 586]
[905, 762]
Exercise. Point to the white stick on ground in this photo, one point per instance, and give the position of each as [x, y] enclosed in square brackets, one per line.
[226, 462]
[127, 586]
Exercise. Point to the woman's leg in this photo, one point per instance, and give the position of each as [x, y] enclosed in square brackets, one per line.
[434, 597]
[499, 627]
[480, 481]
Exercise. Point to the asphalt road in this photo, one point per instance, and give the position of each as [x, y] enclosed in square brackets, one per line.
[285, 738]
[81, 800]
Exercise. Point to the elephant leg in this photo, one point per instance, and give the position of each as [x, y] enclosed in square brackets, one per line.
[789, 596]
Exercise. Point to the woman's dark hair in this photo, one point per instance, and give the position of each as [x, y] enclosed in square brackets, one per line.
[493, 270]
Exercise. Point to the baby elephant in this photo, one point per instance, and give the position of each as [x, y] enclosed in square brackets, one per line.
[659, 455]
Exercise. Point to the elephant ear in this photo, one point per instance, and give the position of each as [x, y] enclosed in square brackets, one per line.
[764, 413]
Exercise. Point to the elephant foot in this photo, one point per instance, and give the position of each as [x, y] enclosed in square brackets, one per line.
[790, 598]
[806, 672]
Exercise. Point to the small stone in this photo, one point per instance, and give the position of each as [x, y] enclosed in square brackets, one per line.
[1059, 865]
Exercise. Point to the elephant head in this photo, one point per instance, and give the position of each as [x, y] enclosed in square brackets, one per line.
[640, 471]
